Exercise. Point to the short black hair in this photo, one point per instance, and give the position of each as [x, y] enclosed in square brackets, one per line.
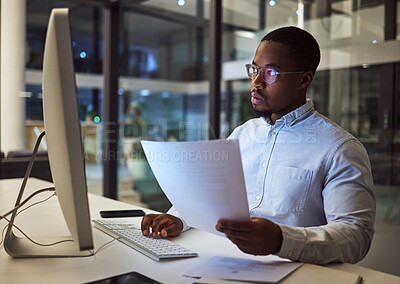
[303, 47]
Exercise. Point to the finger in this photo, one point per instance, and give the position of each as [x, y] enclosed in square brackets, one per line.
[241, 226]
[160, 223]
[171, 228]
[146, 224]
[164, 233]
[171, 231]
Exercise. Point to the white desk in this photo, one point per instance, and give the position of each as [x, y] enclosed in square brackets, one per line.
[116, 258]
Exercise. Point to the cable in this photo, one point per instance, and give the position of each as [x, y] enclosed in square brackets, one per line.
[35, 242]
[28, 170]
[19, 229]
[107, 243]
[44, 200]
[92, 252]
[26, 200]
[6, 226]
[2, 233]
[21, 191]
[39, 244]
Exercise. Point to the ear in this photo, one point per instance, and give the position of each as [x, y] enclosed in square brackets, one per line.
[306, 79]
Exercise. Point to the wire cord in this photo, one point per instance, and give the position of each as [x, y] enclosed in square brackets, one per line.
[102, 246]
[92, 252]
[4, 229]
[26, 200]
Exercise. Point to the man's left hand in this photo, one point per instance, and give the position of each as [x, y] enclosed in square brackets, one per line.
[258, 236]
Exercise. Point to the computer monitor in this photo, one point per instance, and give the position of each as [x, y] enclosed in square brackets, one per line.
[64, 146]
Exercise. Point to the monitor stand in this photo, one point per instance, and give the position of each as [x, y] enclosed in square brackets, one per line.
[19, 247]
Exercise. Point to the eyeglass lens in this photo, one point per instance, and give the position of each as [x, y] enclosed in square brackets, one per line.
[268, 75]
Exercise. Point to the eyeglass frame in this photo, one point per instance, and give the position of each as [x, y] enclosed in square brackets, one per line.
[261, 71]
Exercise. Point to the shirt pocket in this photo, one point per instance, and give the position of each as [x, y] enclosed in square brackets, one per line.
[289, 189]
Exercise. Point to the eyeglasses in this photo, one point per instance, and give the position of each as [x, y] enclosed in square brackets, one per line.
[267, 74]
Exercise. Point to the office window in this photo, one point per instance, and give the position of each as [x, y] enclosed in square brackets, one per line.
[86, 32]
[163, 88]
[350, 86]
[164, 61]
[86, 29]
[163, 68]
[87, 43]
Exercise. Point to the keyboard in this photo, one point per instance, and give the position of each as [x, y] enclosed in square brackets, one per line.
[131, 235]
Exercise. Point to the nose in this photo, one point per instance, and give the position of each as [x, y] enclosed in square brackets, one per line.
[258, 81]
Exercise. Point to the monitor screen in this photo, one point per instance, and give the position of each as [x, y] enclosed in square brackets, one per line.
[64, 144]
[62, 126]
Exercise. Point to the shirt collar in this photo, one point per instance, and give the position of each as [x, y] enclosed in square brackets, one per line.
[290, 118]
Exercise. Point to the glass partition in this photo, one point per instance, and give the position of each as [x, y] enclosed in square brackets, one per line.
[163, 85]
[163, 88]
[352, 85]
[164, 61]
[86, 32]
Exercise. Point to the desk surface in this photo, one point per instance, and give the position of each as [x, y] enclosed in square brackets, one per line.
[116, 258]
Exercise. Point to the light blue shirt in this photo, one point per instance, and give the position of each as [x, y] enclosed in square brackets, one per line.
[312, 178]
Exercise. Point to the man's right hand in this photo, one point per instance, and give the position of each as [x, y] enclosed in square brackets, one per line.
[162, 225]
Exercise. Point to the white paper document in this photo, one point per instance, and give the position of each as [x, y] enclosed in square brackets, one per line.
[203, 180]
[262, 269]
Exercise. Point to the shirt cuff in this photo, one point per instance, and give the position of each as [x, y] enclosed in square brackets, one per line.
[293, 242]
[174, 212]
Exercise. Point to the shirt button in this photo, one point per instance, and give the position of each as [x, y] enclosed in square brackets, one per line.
[290, 253]
[258, 197]
[273, 132]
[264, 164]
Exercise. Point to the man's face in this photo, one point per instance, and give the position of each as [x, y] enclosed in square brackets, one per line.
[287, 92]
